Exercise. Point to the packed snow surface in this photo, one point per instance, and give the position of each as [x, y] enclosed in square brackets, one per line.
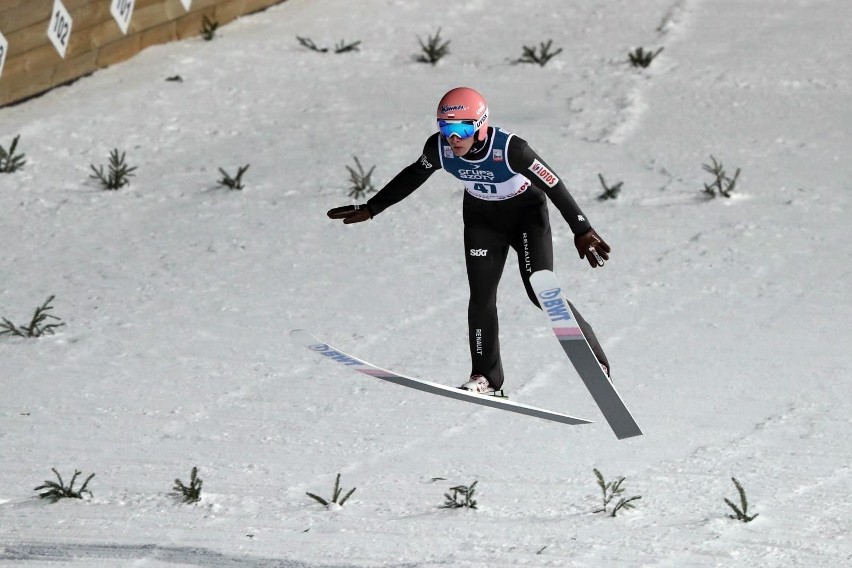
[726, 320]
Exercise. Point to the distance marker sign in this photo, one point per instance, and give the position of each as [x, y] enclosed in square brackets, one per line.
[122, 11]
[59, 29]
[4, 47]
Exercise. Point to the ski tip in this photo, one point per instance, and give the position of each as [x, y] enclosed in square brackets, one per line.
[300, 336]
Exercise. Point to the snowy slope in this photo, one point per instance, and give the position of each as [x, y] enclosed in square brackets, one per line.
[726, 321]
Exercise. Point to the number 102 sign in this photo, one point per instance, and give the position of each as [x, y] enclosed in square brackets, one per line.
[59, 29]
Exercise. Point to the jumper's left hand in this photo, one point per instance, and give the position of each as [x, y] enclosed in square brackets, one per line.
[592, 248]
[351, 213]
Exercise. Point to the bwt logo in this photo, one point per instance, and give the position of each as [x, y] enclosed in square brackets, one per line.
[324, 349]
[552, 303]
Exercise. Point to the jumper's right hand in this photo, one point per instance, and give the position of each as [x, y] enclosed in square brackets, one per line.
[351, 213]
[592, 247]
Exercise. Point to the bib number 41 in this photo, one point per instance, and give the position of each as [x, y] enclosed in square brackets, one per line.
[485, 187]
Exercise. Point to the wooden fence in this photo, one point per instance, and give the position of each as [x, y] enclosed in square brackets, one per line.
[34, 32]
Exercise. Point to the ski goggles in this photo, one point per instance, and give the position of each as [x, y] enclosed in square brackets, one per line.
[463, 129]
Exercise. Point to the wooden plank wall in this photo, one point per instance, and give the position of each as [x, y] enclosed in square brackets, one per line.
[33, 65]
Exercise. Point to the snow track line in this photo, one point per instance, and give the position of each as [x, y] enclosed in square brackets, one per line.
[184, 555]
[632, 106]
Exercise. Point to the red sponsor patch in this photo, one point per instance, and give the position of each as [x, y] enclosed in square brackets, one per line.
[544, 174]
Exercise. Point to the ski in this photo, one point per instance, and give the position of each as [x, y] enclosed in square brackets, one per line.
[305, 339]
[574, 343]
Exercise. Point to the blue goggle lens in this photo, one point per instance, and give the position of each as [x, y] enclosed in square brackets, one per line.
[463, 129]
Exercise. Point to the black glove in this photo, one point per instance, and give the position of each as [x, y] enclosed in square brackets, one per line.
[351, 213]
[592, 248]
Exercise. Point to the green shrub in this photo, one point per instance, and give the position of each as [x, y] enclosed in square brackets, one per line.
[360, 182]
[722, 184]
[433, 49]
[340, 47]
[235, 182]
[54, 491]
[609, 192]
[641, 58]
[741, 512]
[37, 326]
[610, 491]
[343, 47]
[189, 493]
[9, 161]
[118, 174]
[335, 495]
[208, 28]
[540, 55]
[461, 497]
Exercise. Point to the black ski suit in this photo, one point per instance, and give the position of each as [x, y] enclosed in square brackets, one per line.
[504, 206]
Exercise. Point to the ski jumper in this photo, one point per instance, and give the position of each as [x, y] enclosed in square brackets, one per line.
[504, 206]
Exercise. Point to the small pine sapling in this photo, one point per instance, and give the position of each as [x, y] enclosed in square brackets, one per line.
[340, 47]
[343, 47]
[54, 491]
[360, 182]
[189, 493]
[610, 491]
[208, 28]
[335, 495]
[9, 161]
[461, 497]
[119, 172]
[609, 192]
[433, 49]
[309, 43]
[722, 184]
[741, 512]
[541, 55]
[36, 327]
[641, 58]
[235, 182]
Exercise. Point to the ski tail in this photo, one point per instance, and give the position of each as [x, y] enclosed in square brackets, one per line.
[565, 326]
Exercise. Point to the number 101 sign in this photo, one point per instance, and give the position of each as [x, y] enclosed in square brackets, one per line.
[59, 29]
[122, 11]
